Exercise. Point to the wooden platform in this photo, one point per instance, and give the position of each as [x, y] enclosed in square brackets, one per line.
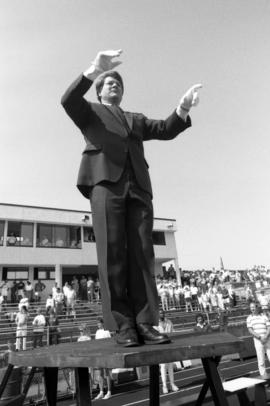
[106, 353]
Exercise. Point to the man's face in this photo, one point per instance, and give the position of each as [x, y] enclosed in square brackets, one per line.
[253, 308]
[111, 91]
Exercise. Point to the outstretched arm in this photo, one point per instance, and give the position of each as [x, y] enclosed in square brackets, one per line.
[73, 101]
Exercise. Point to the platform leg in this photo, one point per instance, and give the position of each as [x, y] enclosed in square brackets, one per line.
[50, 381]
[205, 386]
[154, 385]
[260, 395]
[29, 381]
[214, 381]
[243, 398]
[83, 392]
[5, 379]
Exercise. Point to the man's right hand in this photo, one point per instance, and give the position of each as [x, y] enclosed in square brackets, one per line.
[103, 61]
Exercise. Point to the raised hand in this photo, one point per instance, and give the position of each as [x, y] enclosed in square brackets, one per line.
[190, 98]
[104, 60]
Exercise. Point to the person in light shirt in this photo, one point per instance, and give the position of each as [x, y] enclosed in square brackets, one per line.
[166, 326]
[21, 331]
[259, 327]
[103, 373]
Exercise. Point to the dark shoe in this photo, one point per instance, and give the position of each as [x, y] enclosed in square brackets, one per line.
[127, 338]
[149, 335]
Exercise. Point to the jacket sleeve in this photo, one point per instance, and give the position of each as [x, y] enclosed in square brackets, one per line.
[75, 105]
[165, 129]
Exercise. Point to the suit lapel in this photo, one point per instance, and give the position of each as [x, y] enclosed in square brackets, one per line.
[129, 119]
[127, 116]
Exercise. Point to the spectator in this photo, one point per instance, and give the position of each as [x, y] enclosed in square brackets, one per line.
[29, 291]
[259, 327]
[249, 294]
[103, 373]
[171, 288]
[24, 302]
[20, 289]
[52, 322]
[59, 242]
[45, 241]
[213, 298]
[5, 290]
[84, 335]
[205, 299]
[201, 324]
[13, 289]
[12, 239]
[39, 287]
[54, 290]
[75, 285]
[97, 290]
[21, 331]
[39, 324]
[166, 326]
[225, 297]
[194, 296]
[90, 289]
[163, 293]
[70, 301]
[49, 303]
[59, 302]
[171, 272]
[177, 295]
[187, 296]
[263, 299]
[220, 299]
[83, 288]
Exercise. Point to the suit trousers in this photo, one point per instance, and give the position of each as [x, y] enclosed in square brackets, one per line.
[123, 223]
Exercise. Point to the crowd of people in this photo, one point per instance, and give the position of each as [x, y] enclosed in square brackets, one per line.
[86, 288]
[209, 290]
[199, 291]
[60, 302]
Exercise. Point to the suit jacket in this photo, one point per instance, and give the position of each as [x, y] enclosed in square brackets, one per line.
[109, 141]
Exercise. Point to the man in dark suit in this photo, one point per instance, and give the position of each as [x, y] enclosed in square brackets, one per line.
[114, 176]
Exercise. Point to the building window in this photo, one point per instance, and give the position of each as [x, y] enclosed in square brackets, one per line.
[44, 273]
[88, 234]
[158, 238]
[20, 234]
[15, 273]
[56, 236]
[2, 228]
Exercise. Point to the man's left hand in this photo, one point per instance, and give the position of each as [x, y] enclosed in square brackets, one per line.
[190, 98]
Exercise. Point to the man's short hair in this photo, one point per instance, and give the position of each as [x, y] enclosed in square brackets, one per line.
[101, 78]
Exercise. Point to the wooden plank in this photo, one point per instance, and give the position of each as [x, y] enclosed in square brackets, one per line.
[107, 354]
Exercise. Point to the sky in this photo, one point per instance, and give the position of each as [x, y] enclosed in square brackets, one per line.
[213, 178]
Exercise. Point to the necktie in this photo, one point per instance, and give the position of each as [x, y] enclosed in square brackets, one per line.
[120, 114]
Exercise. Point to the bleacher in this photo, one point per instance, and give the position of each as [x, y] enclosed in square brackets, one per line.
[85, 313]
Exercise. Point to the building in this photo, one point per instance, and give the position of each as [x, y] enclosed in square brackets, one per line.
[54, 244]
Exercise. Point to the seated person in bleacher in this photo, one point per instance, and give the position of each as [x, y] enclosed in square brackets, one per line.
[202, 325]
